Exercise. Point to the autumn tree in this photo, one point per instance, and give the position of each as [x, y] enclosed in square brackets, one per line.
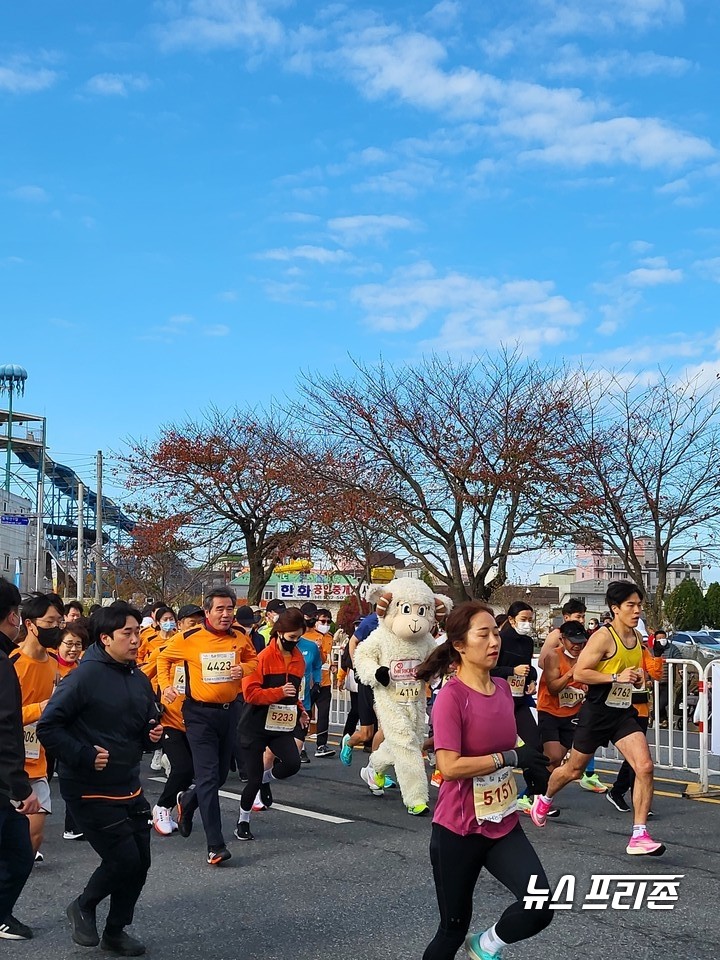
[685, 606]
[453, 456]
[650, 449]
[226, 474]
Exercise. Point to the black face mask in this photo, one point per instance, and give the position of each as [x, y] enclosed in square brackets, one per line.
[310, 621]
[288, 645]
[49, 637]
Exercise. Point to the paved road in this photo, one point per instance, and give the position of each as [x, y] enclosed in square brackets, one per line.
[311, 888]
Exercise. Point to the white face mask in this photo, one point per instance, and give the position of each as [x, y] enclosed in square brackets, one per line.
[523, 627]
[322, 627]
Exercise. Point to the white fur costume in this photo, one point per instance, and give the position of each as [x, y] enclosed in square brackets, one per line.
[406, 610]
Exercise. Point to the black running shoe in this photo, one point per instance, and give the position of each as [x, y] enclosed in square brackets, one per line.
[266, 794]
[242, 831]
[216, 857]
[84, 927]
[618, 801]
[12, 929]
[304, 758]
[184, 822]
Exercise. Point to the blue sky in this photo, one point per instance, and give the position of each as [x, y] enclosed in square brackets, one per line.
[199, 198]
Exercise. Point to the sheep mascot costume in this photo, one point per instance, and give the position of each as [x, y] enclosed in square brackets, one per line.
[386, 661]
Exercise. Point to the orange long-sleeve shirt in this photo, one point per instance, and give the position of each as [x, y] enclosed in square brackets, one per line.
[264, 685]
[208, 657]
[325, 645]
[37, 682]
[172, 712]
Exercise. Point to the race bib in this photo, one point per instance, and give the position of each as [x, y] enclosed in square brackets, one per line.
[403, 671]
[281, 718]
[179, 679]
[517, 685]
[620, 696]
[216, 666]
[32, 744]
[410, 692]
[571, 697]
[495, 795]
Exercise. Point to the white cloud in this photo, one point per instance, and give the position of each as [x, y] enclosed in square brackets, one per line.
[367, 227]
[607, 328]
[674, 187]
[321, 255]
[653, 273]
[30, 194]
[640, 246]
[573, 16]
[116, 84]
[709, 268]
[474, 313]
[228, 296]
[571, 61]
[216, 330]
[297, 217]
[221, 24]
[444, 14]
[19, 75]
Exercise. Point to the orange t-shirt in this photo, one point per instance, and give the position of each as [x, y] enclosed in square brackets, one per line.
[37, 682]
[324, 642]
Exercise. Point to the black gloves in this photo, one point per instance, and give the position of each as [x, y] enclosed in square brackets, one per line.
[382, 675]
[527, 757]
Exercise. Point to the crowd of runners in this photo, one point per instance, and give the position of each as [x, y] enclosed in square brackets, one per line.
[197, 691]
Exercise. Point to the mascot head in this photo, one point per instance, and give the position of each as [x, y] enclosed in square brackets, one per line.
[408, 607]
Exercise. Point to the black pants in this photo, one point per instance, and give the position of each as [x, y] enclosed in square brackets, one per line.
[528, 731]
[211, 735]
[286, 764]
[352, 718]
[120, 834]
[457, 862]
[175, 744]
[625, 779]
[16, 857]
[322, 706]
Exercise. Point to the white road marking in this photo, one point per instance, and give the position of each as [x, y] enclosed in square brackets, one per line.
[297, 811]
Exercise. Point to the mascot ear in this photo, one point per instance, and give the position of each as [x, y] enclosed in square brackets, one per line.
[383, 602]
[443, 606]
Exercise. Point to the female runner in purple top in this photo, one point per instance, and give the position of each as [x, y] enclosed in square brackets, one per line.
[475, 824]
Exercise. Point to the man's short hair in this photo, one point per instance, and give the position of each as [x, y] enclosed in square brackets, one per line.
[107, 620]
[574, 605]
[10, 598]
[224, 593]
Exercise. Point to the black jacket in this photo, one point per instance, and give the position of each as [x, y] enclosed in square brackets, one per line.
[515, 649]
[14, 782]
[103, 703]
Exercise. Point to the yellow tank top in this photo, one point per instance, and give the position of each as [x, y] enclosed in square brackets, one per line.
[622, 658]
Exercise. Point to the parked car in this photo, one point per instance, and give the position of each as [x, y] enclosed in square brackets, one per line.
[694, 644]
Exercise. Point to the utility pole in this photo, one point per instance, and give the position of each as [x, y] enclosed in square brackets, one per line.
[99, 532]
[80, 541]
[40, 525]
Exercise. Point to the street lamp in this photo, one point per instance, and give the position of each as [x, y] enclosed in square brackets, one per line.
[12, 379]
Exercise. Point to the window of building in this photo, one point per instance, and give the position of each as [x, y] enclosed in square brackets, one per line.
[268, 594]
[7, 561]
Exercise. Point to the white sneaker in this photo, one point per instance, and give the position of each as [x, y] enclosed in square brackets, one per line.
[156, 762]
[258, 805]
[165, 764]
[162, 821]
[372, 780]
[72, 835]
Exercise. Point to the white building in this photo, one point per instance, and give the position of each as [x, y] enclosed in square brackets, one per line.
[17, 541]
[596, 564]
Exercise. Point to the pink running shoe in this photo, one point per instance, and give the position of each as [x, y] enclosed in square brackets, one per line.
[644, 845]
[539, 811]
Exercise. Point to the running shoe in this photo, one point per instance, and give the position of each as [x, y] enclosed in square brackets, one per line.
[156, 762]
[266, 795]
[371, 779]
[258, 806]
[553, 813]
[304, 758]
[324, 751]
[242, 831]
[476, 952]
[162, 821]
[436, 779]
[122, 944]
[39, 858]
[644, 845]
[84, 925]
[592, 783]
[419, 810]
[184, 822]
[165, 764]
[524, 805]
[388, 784]
[539, 810]
[72, 835]
[12, 929]
[346, 751]
[618, 801]
[216, 857]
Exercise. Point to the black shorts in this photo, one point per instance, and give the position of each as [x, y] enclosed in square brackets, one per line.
[598, 725]
[366, 706]
[557, 729]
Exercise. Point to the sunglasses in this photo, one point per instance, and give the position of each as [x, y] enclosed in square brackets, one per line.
[324, 621]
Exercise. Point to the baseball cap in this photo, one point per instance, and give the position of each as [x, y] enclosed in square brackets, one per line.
[309, 609]
[245, 616]
[190, 610]
[574, 632]
[276, 606]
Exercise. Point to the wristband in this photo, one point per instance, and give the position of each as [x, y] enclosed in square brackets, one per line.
[510, 758]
